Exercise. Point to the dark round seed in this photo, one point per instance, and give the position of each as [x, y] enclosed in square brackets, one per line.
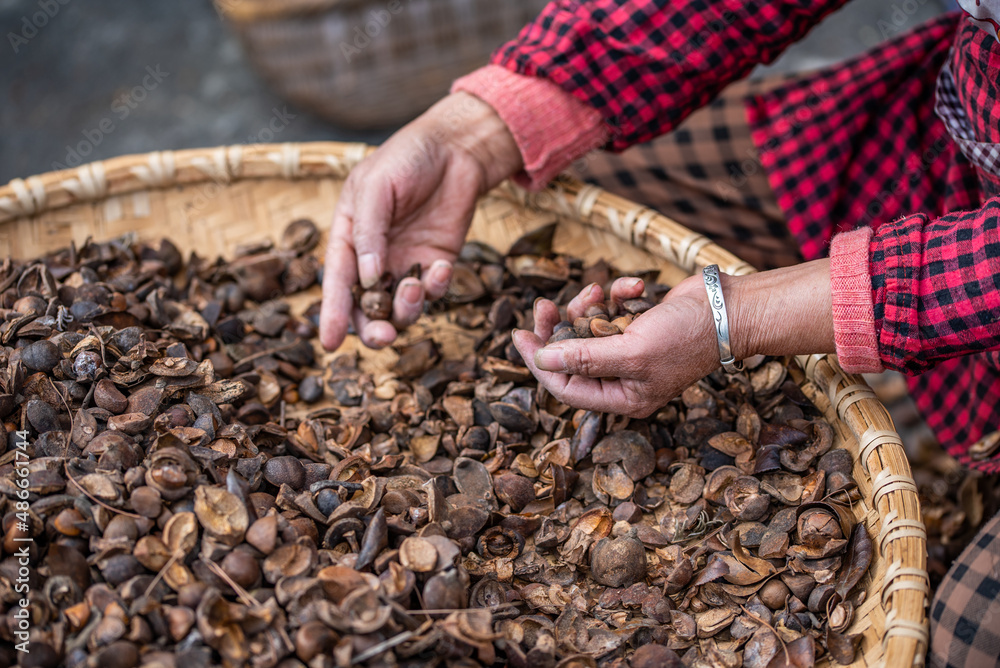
[311, 389]
[86, 365]
[147, 501]
[327, 501]
[285, 470]
[41, 355]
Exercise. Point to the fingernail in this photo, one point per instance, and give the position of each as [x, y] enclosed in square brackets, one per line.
[593, 287]
[549, 359]
[368, 269]
[440, 270]
[410, 292]
[634, 283]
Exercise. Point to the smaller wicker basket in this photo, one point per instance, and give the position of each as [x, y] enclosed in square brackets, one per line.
[371, 63]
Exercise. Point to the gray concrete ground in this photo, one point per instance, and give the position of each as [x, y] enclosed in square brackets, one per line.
[90, 79]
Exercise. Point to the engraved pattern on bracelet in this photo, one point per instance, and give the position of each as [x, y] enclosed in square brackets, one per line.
[713, 286]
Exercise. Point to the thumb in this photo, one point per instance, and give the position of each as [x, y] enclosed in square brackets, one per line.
[373, 210]
[596, 358]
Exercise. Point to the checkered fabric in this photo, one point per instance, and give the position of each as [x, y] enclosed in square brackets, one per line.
[853, 145]
[984, 155]
[965, 613]
[706, 175]
[646, 64]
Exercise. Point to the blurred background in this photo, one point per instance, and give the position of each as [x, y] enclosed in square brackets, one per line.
[84, 80]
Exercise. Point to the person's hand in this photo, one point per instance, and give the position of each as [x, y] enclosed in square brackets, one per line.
[411, 202]
[663, 351]
[672, 345]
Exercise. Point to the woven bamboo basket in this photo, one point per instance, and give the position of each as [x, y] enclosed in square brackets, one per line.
[212, 200]
[364, 64]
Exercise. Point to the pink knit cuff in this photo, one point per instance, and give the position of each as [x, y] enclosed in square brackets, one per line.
[551, 127]
[853, 313]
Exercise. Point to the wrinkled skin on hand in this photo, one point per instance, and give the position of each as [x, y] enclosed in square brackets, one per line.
[660, 354]
[411, 202]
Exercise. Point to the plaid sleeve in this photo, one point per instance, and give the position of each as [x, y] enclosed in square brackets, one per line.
[936, 287]
[646, 64]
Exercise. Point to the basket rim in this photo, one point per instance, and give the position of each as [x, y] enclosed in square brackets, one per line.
[246, 11]
[844, 397]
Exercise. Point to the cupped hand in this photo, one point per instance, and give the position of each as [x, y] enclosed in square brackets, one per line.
[660, 353]
[785, 311]
[411, 202]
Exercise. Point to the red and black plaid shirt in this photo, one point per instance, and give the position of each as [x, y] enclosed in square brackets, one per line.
[857, 144]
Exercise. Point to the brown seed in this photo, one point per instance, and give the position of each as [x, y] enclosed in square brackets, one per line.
[180, 620]
[173, 367]
[655, 656]
[121, 527]
[87, 365]
[582, 327]
[42, 416]
[636, 306]
[600, 327]
[68, 522]
[107, 396]
[627, 512]
[263, 534]
[146, 501]
[515, 490]
[622, 322]
[618, 562]
[376, 304]
[77, 615]
[152, 553]
[300, 236]
[563, 335]
[285, 470]
[312, 639]
[774, 594]
[30, 305]
[242, 568]
[446, 591]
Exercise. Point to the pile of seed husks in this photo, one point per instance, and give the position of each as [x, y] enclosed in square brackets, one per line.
[444, 512]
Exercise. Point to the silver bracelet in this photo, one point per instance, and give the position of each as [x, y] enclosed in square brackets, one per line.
[718, 304]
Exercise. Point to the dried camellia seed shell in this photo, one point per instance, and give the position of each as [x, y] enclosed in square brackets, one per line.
[221, 514]
[152, 553]
[189, 507]
[108, 397]
[817, 526]
[418, 554]
[687, 483]
[515, 490]
[745, 499]
[300, 236]
[631, 448]
[618, 562]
